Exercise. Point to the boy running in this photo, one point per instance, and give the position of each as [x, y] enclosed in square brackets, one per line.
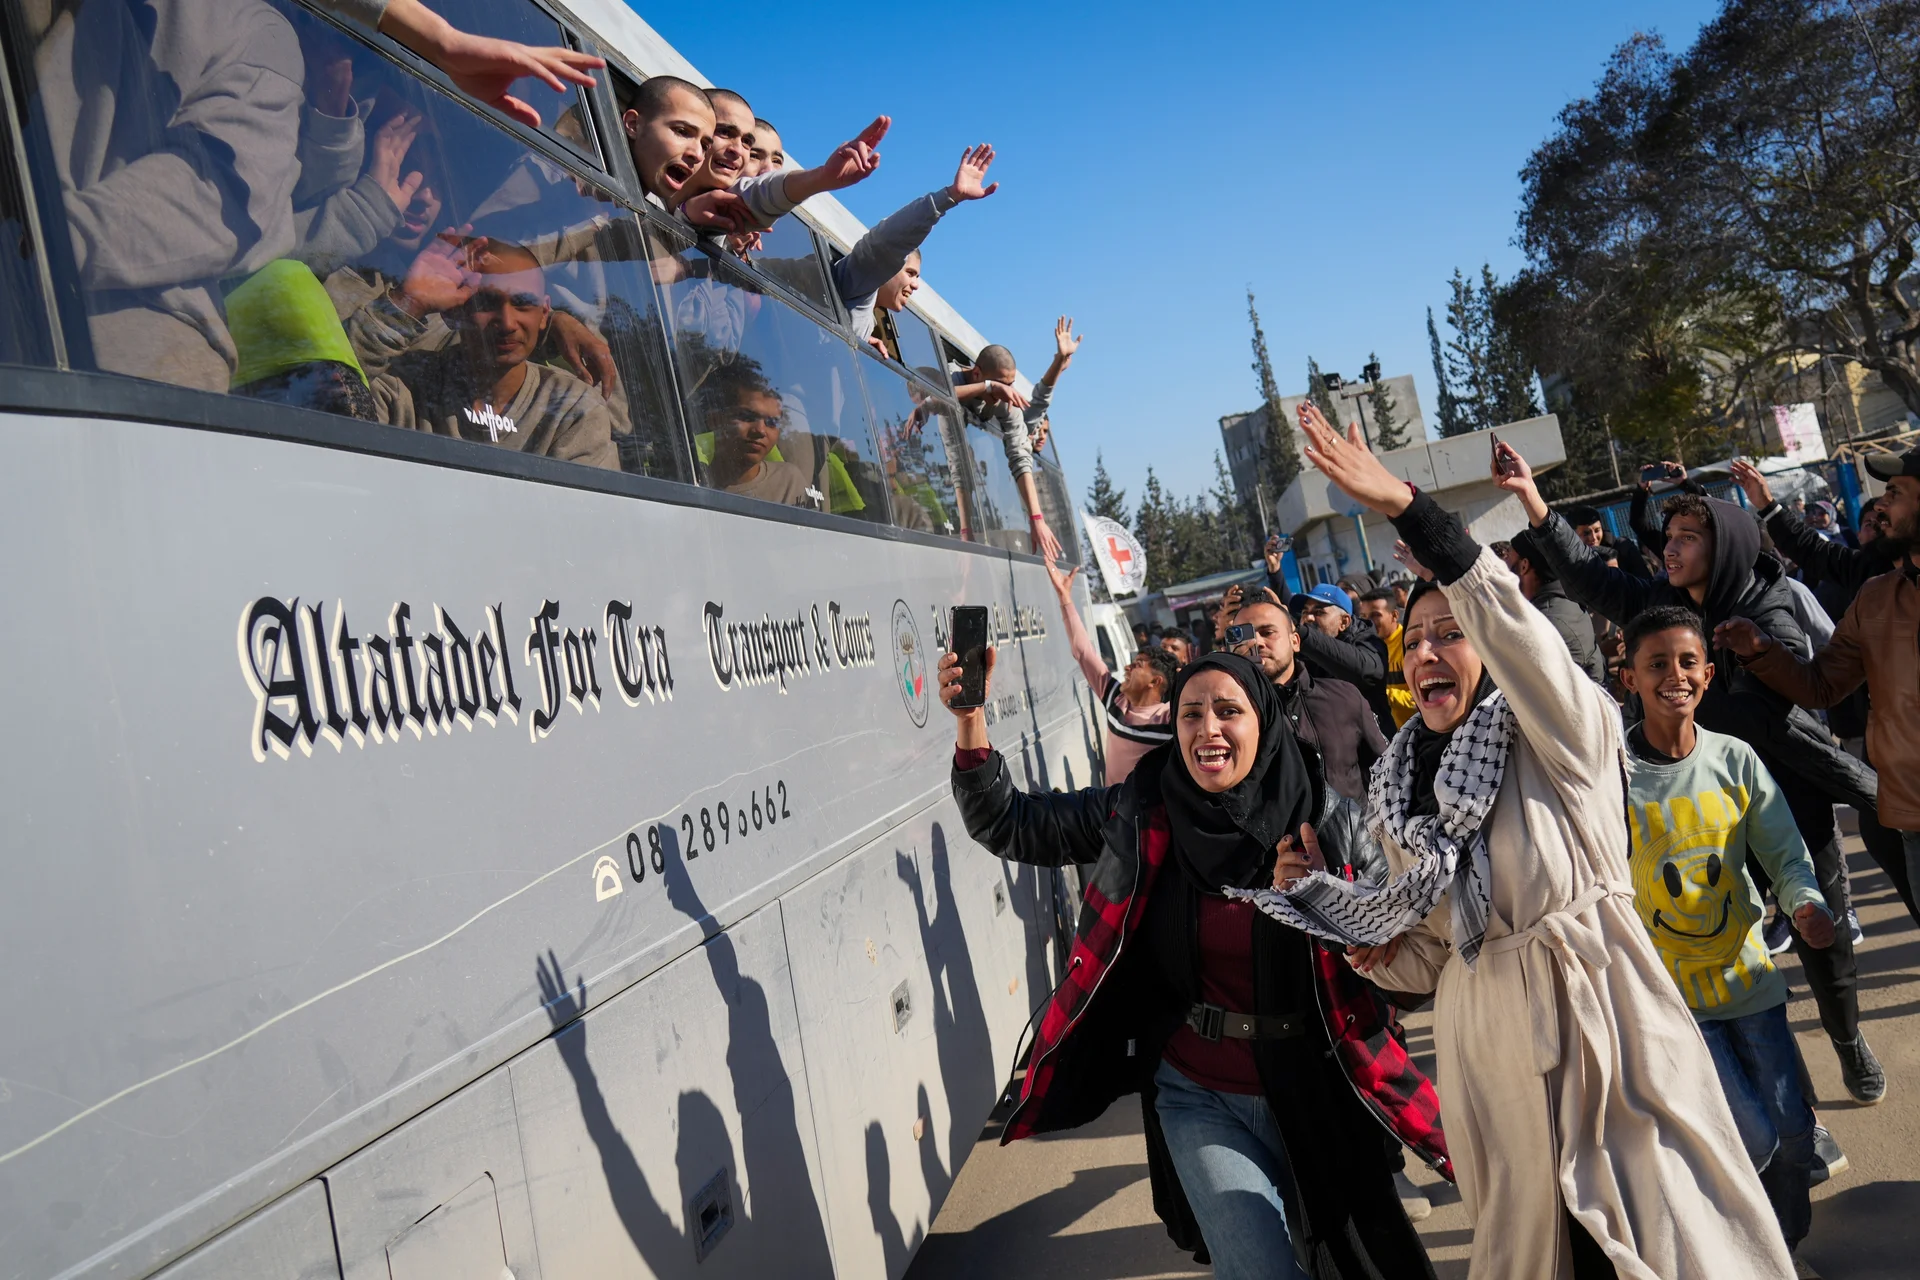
[1701, 802]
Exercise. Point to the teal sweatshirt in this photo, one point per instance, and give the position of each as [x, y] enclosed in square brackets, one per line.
[1694, 823]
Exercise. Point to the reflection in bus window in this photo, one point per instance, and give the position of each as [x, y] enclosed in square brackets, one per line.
[1056, 503]
[340, 236]
[916, 432]
[919, 349]
[999, 513]
[563, 115]
[785, 253]
[773, 399]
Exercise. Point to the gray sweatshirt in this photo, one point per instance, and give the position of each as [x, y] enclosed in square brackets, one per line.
[879, 254]
[1011, 425]
[161, 206]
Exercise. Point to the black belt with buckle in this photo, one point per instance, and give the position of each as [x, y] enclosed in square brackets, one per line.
[1211, 1022]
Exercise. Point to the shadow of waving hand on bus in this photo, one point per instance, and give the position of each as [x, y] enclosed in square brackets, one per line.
[660, 1243]
[786, 1214]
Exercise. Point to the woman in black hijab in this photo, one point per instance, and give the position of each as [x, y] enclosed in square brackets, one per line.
[1263, 1062]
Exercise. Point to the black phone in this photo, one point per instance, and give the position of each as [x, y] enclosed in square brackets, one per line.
[1241, 633]
[1653, 472]
[1500, 464]
[969, 640]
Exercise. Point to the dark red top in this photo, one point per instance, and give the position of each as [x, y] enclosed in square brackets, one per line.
[967, 759]
[1226, 979]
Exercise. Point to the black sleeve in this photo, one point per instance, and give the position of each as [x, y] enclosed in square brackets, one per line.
[1361, 666]
[1437, 538]
[1614, 594]
[1277, 583]
[1820, 559]
[1044, 829]
[1645, 527]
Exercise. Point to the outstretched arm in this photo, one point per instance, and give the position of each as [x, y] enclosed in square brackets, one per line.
[482, 67]
[1566, 718]
[1079, 643]
[1614, 594]
[1046, 829]
[760, 201]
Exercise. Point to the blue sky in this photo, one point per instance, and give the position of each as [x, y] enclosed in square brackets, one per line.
[1155, 160]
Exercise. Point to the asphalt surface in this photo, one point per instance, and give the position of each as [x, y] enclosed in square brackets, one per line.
[1077, 1205]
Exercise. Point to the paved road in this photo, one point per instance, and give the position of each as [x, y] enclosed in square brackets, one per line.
[1076, 1205]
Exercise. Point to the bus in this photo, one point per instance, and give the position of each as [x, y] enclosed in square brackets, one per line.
[432, 857]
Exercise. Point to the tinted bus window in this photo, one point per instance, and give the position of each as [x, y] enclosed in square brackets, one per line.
[914, 429]
[786, 254]
[1056, 503]
[1001, 516]
[919, 349]
[773, 399]
[25, 337]
[564, 115]
[370, 247]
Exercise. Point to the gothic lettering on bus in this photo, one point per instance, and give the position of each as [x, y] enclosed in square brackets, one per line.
[568, 672]
[313, 679]
[638, 654]
[852, 636]
[763, 650]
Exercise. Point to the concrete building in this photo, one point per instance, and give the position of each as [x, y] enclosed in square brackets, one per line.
[1332, 537]
[1244, 435]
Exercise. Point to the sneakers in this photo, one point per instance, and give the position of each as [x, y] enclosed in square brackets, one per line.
[1829, 1161]
[1853, 923]
[1778, 933]
[1412, 1198]
[1861, 1071]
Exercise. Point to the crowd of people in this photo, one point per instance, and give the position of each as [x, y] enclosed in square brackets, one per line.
[305, 222]
[1571, 788]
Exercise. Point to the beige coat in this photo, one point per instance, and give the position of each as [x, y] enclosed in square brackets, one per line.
[1570, 1069]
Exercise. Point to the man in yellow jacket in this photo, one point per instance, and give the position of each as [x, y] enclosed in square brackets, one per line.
[1381, 608]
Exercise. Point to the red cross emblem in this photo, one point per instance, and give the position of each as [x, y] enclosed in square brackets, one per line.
[1119, 553]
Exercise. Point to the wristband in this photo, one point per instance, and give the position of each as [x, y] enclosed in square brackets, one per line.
[1038, 517]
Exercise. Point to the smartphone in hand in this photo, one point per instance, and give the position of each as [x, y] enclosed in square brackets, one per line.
[1653, 473]
[968, 631]
[1504, 458]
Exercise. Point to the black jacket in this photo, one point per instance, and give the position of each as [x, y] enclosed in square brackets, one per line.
[1114, 1012]
[1332, 717]
[1823, 561]
[1745, 583]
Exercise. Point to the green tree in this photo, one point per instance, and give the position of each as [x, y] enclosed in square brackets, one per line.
[1154, 525]
[1102, 498]
[1279, 455]
[1323, 398]
[1388, 431]
[1486, 367]
[1236, 535]
[1447, 412]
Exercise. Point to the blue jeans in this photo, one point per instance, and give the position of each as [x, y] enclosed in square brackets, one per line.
[1760, 1072]
[1227, 1150]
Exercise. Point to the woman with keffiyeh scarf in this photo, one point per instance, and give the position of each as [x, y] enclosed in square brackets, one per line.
[1264, 1064]
[1588, 1128]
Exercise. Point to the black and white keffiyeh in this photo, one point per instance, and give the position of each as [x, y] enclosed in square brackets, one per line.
[1450, 846]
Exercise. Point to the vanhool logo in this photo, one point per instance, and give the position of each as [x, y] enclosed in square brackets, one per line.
[910, 663]
[492, 421]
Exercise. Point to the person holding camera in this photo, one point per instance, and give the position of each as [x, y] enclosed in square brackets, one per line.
[1261, 1058]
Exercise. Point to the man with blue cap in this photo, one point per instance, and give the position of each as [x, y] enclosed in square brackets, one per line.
[1335, 649]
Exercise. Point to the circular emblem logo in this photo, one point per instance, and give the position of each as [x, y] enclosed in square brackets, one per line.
[910, 664]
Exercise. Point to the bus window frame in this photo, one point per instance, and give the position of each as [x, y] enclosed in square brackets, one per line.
[546, 143]
[15, 141]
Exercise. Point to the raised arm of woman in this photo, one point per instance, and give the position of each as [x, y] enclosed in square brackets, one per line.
[1566, 718]
[1046, 829]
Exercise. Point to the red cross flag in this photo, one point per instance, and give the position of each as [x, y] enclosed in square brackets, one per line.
[1122, 561]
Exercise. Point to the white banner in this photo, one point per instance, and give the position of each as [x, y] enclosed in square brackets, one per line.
[1799, 428]
[1123, 562]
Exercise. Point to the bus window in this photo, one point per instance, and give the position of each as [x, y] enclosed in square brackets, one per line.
[564, 116]
[1000, 514]
[25, 335]
[919, 350]
[372, 248]
[914, 427]
[773, 399]
[1056, 503]
[785, 253]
